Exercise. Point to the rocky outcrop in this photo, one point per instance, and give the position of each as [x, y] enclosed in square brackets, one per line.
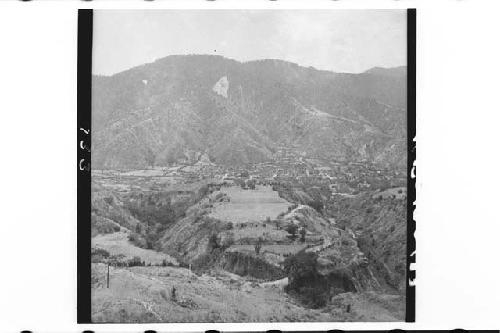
[221, 87]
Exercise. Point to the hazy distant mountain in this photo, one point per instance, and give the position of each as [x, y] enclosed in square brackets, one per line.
[194, 106]
[394, 71]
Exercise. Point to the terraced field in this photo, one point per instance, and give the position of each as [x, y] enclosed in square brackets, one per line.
[279, 249]
[249, 205]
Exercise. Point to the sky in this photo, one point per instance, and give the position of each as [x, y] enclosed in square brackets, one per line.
[350, 41]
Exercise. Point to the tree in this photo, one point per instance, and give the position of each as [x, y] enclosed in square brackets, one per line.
[303, 235]
[135, 261]
[99, 255]
[305, 280]
[213, 242]
[301, 268]
[292, 230]
[227, 242]
[317, 205]
[173, 294]
[251, 184]
[203, 191]
[150, 157]
[258, 245]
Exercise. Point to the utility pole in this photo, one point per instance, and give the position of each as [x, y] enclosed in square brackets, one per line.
[108, 277]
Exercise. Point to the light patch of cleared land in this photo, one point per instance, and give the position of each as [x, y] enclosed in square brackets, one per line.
[117, 243]
[249, 205]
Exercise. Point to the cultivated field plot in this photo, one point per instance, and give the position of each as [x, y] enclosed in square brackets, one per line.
[249, 205]
[268, 232]
[279, 249]
[125, 181]
[117, 243]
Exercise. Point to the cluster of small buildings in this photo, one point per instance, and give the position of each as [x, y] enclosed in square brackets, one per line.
[289, 166]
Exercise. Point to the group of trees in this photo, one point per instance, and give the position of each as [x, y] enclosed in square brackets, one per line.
[246, 184]
[216, 243]
[120, 260]
[317, 205]
[155, 213]
[304, 279]
[293, 231]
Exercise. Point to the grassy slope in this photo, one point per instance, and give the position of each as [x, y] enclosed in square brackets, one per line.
[143, 294]
[117, 243]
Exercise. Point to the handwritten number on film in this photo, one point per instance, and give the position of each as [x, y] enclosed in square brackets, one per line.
[83, 164]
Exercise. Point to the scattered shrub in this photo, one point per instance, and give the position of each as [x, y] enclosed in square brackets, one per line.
[135, 261]
[227, 242]
[109, 200]
[317, 205]
[213, 242]
[258, 246]
[99, 255]
[303, 235]
[173, 294]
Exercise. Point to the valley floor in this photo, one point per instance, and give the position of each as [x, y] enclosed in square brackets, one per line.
[160, 291]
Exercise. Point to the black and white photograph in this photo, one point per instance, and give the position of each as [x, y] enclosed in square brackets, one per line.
[249, 166]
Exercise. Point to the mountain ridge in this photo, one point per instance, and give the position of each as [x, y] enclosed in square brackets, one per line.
[169, 107]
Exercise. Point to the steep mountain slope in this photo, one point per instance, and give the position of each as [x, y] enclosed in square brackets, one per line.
[379, 222]
[239, 113]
